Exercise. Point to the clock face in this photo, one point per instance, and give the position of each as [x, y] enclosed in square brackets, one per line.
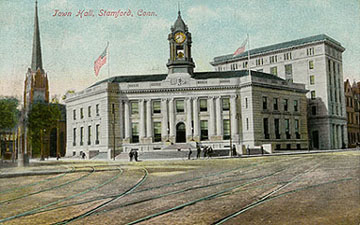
[179, 37]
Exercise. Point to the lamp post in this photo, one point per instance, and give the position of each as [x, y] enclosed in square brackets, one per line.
[113, 111]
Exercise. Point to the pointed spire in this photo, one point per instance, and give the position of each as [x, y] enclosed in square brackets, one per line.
[36, 61]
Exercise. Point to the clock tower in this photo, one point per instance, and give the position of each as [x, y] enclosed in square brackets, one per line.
[180, 61]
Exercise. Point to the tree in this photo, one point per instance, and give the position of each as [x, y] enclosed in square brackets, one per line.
[9, 115]
[41, 117]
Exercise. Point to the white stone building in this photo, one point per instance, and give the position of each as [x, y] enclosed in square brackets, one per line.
[150, 112]
[315, 61]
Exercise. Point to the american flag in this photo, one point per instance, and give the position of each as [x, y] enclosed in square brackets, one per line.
[101, 60]
[241, 49]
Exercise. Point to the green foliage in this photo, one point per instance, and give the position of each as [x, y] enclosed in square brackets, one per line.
[41, 118]
[9, 113]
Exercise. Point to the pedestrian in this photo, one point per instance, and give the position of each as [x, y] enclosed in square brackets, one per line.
[262, 150]
[234, 151]
[248, 150]
[190, 152]
[83, 155]
[205, 151]
[136, 155]
[210, 151]
[198, 150]
[58, 156]
[131, 154]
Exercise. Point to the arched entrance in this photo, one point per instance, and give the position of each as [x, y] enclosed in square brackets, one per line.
[180, 133]
[53, 142]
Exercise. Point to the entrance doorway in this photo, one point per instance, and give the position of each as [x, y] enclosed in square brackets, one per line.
[315, 139]
[180, 133]
[53, 142]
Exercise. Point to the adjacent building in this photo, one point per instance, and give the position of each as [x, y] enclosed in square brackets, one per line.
[352, 99]
[151, 112]
[315, 61]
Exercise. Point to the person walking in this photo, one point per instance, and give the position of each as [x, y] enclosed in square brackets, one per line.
[131, 154]
[136, 155]
[190, 152]
[262, 150]
[234, 153]
[248, 150]
[198, 150]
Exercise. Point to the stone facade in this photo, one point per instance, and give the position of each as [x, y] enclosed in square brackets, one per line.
[352, 98]
[314, 61]
[151, 112]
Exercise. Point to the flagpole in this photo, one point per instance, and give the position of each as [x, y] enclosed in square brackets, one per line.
[248, 53]
[108, 55]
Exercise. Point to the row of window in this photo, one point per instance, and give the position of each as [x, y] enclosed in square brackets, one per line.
[179, 106]
[277, 128]
[89, 135]
[89, 110]
[353, 118]
[285, 104]
[157, 131]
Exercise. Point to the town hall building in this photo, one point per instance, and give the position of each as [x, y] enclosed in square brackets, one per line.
[151, 112]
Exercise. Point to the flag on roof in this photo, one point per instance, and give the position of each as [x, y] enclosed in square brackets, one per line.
[101, 60]
[241, 49]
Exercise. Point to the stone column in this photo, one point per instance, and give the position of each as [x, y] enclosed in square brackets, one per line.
[172, 120]
[164, 121]
[188, 119]
[219, 122]
[121, 121]
[339, 136]
[211, 122]
[233, 120]
[127, 120]
[142, 120]
[148, 120]
[196, 119]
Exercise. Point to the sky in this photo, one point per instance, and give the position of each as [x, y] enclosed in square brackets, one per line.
[139, 45]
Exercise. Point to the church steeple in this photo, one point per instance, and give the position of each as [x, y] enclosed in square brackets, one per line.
[36, 62]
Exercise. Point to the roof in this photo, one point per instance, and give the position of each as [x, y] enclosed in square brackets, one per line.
[197, 76]
[270, 48]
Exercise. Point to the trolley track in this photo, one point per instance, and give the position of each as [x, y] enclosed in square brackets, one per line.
[39, 209]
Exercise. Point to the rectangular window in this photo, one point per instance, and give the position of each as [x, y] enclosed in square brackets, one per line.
[204, 130]
[89, 135]
[264, 102]
[97, 110]
[266, 128]
[288, 69]
[313, 110]
[134, 107]
[297, 128]
[310, 51]
[81, 113]
[287, 128]
[311, 64]
[226, 127]
[225, 104]
[89, 111]
[287, 56]
[312, 79]
[180, 106]
[296, 105]
[81, 135]
[97, 133]
[247, 123]
[273, 59]
[313, 95]
[203, 105]
[277, 128]
[245, 64]
[259, 61]
[273, 70]
[246, 103]
[276, 104]
[74, 114]
[156, 107]
[134, 133]
[286, 104]
[74, 137]
[157, 131]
